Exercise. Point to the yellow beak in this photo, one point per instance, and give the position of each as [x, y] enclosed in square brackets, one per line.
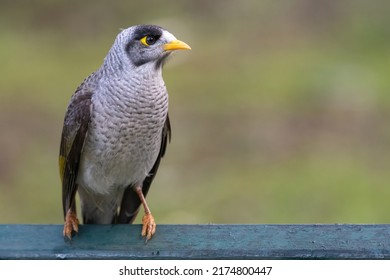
[176, 45]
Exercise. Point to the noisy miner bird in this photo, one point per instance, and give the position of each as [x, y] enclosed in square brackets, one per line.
[116, 130]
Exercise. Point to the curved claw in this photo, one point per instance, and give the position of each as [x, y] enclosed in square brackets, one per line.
[71, 224]
[148, 226]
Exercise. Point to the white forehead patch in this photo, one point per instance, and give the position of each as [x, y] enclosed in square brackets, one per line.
[168, 36]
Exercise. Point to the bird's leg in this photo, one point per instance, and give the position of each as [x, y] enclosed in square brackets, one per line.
[148, 223]
[71, 223]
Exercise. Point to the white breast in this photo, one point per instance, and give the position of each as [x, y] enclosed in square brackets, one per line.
[124, 137]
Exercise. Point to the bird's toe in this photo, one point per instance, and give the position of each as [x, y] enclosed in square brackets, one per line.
[148, 226]
[71, 224]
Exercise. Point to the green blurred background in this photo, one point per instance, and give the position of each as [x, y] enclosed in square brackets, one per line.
[280, 112]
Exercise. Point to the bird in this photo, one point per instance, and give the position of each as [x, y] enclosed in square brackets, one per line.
[115, 132]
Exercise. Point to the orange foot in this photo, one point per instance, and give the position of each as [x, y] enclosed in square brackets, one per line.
[71, 224]
[148, 226]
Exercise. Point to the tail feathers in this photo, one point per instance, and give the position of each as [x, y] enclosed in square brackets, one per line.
[111, 209]
[129, 207]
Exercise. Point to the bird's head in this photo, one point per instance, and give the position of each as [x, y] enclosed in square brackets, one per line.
[145, 45]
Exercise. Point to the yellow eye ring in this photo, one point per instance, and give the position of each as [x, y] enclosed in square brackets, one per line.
[143, 41]
[148, 40]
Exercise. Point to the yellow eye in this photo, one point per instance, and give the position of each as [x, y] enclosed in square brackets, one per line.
[148, 40]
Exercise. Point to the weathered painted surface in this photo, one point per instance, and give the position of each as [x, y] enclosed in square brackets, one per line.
[198, 242]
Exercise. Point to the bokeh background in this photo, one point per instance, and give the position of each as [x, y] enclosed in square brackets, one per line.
[280, 112]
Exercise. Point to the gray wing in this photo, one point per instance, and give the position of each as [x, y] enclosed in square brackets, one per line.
[130, 202]
[74, 132]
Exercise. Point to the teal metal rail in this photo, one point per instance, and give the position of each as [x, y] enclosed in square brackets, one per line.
[198, 242]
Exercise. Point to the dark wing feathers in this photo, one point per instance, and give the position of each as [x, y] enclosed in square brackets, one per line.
[130, 201]
[75, 129]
